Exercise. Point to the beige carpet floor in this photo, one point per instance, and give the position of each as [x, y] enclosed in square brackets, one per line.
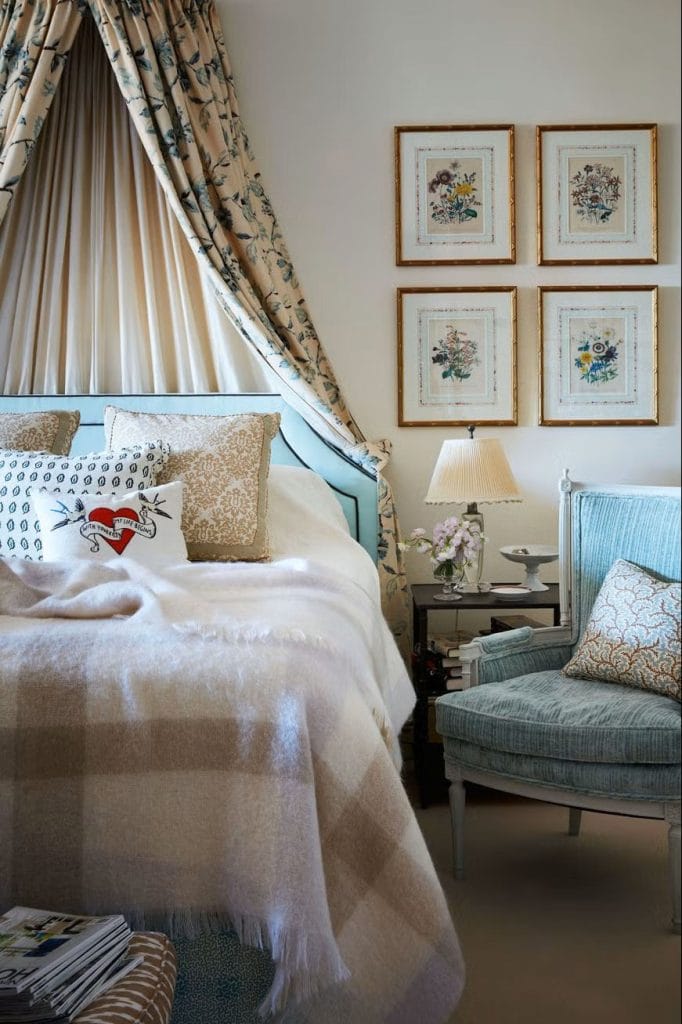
[558, 929]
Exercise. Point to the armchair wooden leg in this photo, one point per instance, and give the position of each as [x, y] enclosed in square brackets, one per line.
[672, 816]
[457, 803]
[574, 816]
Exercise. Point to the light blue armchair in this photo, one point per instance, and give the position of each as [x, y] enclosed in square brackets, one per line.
[533, 731]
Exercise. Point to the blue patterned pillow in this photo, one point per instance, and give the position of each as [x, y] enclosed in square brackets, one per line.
[633, 634]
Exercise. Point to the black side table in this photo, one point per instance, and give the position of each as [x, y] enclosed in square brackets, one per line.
[423, 602]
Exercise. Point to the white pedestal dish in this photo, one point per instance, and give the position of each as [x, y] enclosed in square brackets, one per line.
[532, 556]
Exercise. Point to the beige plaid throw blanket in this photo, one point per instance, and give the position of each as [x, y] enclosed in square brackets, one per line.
[216, 745]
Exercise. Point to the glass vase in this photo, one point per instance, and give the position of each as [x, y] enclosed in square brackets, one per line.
[449, 575]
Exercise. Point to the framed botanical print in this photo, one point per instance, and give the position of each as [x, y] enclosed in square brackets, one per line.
[598, 355]
[456, 356]
[454, 194]
[596, 194]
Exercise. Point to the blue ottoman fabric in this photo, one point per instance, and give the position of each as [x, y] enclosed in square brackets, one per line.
[548, 715]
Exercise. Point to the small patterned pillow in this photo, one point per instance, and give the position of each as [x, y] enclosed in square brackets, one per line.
[95, 473]
[39, 431]
[633, 634]
[224, 462]
[142, 525]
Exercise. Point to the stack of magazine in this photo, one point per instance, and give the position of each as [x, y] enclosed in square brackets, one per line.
[53, 965]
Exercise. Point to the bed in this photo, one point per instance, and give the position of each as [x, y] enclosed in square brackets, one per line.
[212, 748]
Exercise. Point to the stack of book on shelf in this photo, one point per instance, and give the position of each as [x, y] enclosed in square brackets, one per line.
[445, 672]
[53, 965]
[446, 647]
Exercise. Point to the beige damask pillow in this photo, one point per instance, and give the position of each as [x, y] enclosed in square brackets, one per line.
[50, 431]
[224, 463]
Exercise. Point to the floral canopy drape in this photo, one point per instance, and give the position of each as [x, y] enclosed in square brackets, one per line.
[171, 66]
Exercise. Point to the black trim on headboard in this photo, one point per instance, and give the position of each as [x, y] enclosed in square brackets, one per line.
[351, 497]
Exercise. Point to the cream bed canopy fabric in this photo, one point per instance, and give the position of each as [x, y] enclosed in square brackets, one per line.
[171, 67]
[120, 266]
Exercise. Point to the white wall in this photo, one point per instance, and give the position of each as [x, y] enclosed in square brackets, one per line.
[322, 84]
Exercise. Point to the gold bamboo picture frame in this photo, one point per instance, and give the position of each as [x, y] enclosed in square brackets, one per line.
[456, 356]
[596, 194]
[454, 194]
[598, 355]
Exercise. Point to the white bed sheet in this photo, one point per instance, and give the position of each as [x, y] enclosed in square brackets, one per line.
[306, 521]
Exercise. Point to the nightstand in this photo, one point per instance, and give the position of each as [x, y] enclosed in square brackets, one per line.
[426, 684]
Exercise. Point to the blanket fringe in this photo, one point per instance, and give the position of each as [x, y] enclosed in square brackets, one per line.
[249, 634]
[301, 970]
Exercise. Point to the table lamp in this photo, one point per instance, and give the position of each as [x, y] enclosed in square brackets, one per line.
[472, 471]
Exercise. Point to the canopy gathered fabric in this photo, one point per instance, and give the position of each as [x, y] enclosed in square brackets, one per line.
[171, 66]
[124, 306]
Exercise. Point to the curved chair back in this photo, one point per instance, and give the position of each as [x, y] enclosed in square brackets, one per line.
[639, 524]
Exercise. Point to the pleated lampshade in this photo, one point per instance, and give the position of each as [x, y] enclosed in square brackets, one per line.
[472, 470]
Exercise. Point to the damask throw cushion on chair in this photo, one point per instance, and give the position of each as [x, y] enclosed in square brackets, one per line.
[633, 634]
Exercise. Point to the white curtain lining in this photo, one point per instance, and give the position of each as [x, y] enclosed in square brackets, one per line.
[99, 289]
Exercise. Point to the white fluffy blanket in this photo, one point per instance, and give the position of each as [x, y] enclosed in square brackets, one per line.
[216, 744]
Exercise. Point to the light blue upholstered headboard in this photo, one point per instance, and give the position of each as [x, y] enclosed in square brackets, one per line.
[297, 444]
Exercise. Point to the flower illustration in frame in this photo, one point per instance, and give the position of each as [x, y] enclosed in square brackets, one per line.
[595, 191]
[596, 194]
[454, 194]
[456, 356]
[598, 355]
[457, 195]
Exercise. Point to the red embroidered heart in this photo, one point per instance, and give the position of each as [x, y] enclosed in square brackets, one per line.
[106, 517]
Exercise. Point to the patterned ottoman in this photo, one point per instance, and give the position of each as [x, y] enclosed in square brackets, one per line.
[145, 996]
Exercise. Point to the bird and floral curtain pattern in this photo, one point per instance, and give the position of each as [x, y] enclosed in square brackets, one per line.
[35, 39]
[171, 65]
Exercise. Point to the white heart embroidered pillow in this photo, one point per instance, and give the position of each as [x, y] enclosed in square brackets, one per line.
[142, 525]
[95, 473]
